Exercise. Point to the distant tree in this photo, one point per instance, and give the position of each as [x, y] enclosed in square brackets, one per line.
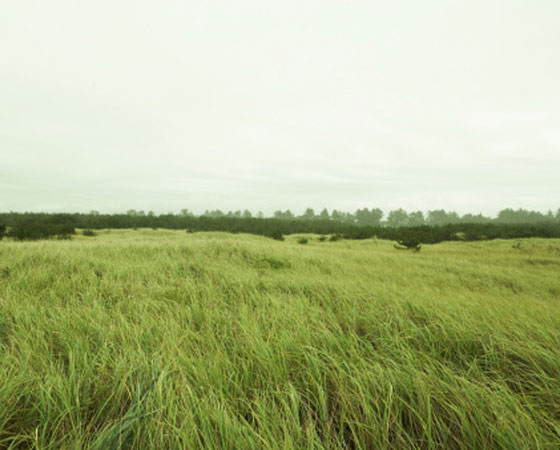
[186, 213]
[349, 218]
[365, 217]
[471, 218]
[452, 217]
[397, 218]
[376, 215]
[44, 226]
[260, 215]
[151, 214]
[309, 214]
[339, 216]
[362, 216]
[506, 216]
[324, 214]
[437, 217]
[247, 214]
[131, 212]
[522, 216]
[416, 219]
[215, 213]
[283, 215]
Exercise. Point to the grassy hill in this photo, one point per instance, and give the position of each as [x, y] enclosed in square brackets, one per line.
[163, 339]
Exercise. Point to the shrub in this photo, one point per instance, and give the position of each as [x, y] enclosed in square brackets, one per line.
[276, 235]
[89, 232]
[409, 244]
[335, 237]
[37, 230]
[2, 231]
[302, 241]
[322, 238]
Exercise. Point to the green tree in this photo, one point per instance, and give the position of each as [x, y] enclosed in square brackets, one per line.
[284, 215]
[437, 217]
[365, 217]
[471, 218]
[339, 216]
[309, 214]
[416, 219]
[397, 218]
[452, 217]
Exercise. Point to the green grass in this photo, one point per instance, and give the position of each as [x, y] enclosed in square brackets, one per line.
[161, 339]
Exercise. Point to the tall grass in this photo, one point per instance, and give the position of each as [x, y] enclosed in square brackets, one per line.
[160, 339]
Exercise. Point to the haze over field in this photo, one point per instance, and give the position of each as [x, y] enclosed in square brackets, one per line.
[279, 104]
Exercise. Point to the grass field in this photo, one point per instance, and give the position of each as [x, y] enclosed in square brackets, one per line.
[156, 339]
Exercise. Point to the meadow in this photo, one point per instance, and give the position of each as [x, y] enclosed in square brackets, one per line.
[163, 339]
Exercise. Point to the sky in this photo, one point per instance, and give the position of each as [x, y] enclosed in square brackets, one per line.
[266, 105]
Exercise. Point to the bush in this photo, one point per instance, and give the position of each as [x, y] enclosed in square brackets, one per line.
[335, 237]
[276, 235]
[2, 231]
[409, 244]
[322, 238]
[89, 232]
[302, 241]
[37, 230]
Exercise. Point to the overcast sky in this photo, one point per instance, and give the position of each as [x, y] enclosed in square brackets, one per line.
[163, 105]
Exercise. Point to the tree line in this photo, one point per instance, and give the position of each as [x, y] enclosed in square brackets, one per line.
[375, 217]
[435, 226]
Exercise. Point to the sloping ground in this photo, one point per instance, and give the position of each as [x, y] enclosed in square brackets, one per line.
[162, 339]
